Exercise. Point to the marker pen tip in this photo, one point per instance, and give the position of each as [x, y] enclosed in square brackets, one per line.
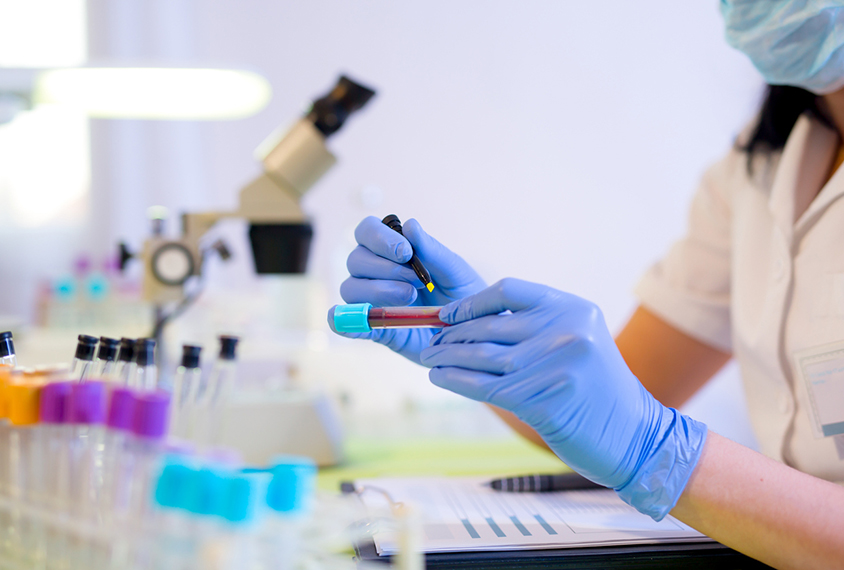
[430, 287]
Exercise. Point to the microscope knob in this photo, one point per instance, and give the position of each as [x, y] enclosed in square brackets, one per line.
[172, 263]
[125, 255]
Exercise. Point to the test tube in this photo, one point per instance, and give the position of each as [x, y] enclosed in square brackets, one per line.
[121, 416]
[125, 360]
[106, 357]
[25, 471]
[198, 492]
[118, 465]
[220, 385]
[145, 376]
[149, 428]
[83, 362]
[363, 317]
[243, 510]
[221, 381]
[7, 350]
[185, 386]
[177, 545]
[5, 427]
[86, 410]
[56, 485]
[52, 410]
[289, 498]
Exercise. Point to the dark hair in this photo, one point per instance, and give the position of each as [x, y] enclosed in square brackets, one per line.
[782, 107]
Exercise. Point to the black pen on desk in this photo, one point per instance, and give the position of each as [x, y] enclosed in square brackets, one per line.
[544, 483]
[392, 222]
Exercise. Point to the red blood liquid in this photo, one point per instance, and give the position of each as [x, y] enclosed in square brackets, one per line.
[405, 317]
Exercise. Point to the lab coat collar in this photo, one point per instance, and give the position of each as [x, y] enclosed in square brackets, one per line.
[795, 202]
[828, 143]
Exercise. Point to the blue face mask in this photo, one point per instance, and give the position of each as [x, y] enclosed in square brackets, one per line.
[791, 42]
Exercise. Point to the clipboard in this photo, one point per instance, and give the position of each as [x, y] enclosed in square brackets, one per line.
[695, 556]
[676, 555]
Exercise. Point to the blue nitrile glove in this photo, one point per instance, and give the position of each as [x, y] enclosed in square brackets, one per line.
[380, 276]
[554, 364]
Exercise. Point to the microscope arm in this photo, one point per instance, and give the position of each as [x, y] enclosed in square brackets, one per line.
[293, 160]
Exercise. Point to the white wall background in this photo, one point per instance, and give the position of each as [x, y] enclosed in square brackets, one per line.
[556, 141]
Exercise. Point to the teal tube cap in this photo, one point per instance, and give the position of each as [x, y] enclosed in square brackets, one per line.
[352, 318]
[293, 484]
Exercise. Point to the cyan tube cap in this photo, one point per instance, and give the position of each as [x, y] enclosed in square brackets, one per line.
[352, 318]
[293, 484]
[174, 486]
[244, 496]
[207, 491]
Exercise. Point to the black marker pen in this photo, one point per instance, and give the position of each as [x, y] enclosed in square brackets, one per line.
[544, 483]
[392, 222]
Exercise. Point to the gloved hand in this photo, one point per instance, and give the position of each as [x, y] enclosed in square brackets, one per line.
[554, 364]
[380, 276]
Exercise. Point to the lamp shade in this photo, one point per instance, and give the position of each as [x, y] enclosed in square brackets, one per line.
[155, 93]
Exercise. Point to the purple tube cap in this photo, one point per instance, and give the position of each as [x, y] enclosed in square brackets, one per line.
[86, 403]
[121, 409]
[151, 414]
[53, 402]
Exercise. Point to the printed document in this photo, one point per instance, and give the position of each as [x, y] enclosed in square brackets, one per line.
[463, 514]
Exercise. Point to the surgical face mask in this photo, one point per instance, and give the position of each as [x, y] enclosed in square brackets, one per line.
[791, 42]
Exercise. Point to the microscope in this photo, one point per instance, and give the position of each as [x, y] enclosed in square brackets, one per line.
[280, 236]
[279, 232]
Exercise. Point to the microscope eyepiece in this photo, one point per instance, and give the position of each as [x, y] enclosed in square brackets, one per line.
[330, 112]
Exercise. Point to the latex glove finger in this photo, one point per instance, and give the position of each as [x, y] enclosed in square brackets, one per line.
[382, 241]
[490, 357]
[481, 386]
[469, 383]
[378, 292]
[446, 266]
[507, 328]
[506, 295]
[366, 265]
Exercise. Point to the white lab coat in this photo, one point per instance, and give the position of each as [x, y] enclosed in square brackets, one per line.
[760, 273]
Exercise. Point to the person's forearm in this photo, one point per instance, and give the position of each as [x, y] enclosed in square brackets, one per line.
[668, 362]
[519, 427]
[765, 509]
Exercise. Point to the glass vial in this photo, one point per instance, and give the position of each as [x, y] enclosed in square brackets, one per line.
[146, 374]
[106, 358]
[221, 381]
[125, 360]
[7, 350]
[83, 362]
[185, 387]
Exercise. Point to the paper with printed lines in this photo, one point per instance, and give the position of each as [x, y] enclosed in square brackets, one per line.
[463, 514]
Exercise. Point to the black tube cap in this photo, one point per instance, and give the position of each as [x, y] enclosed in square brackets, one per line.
[127, 350]
[228, 344]
[190, 355]
[86, 347]
[145, 351]
[7, 347]
[107, 349]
